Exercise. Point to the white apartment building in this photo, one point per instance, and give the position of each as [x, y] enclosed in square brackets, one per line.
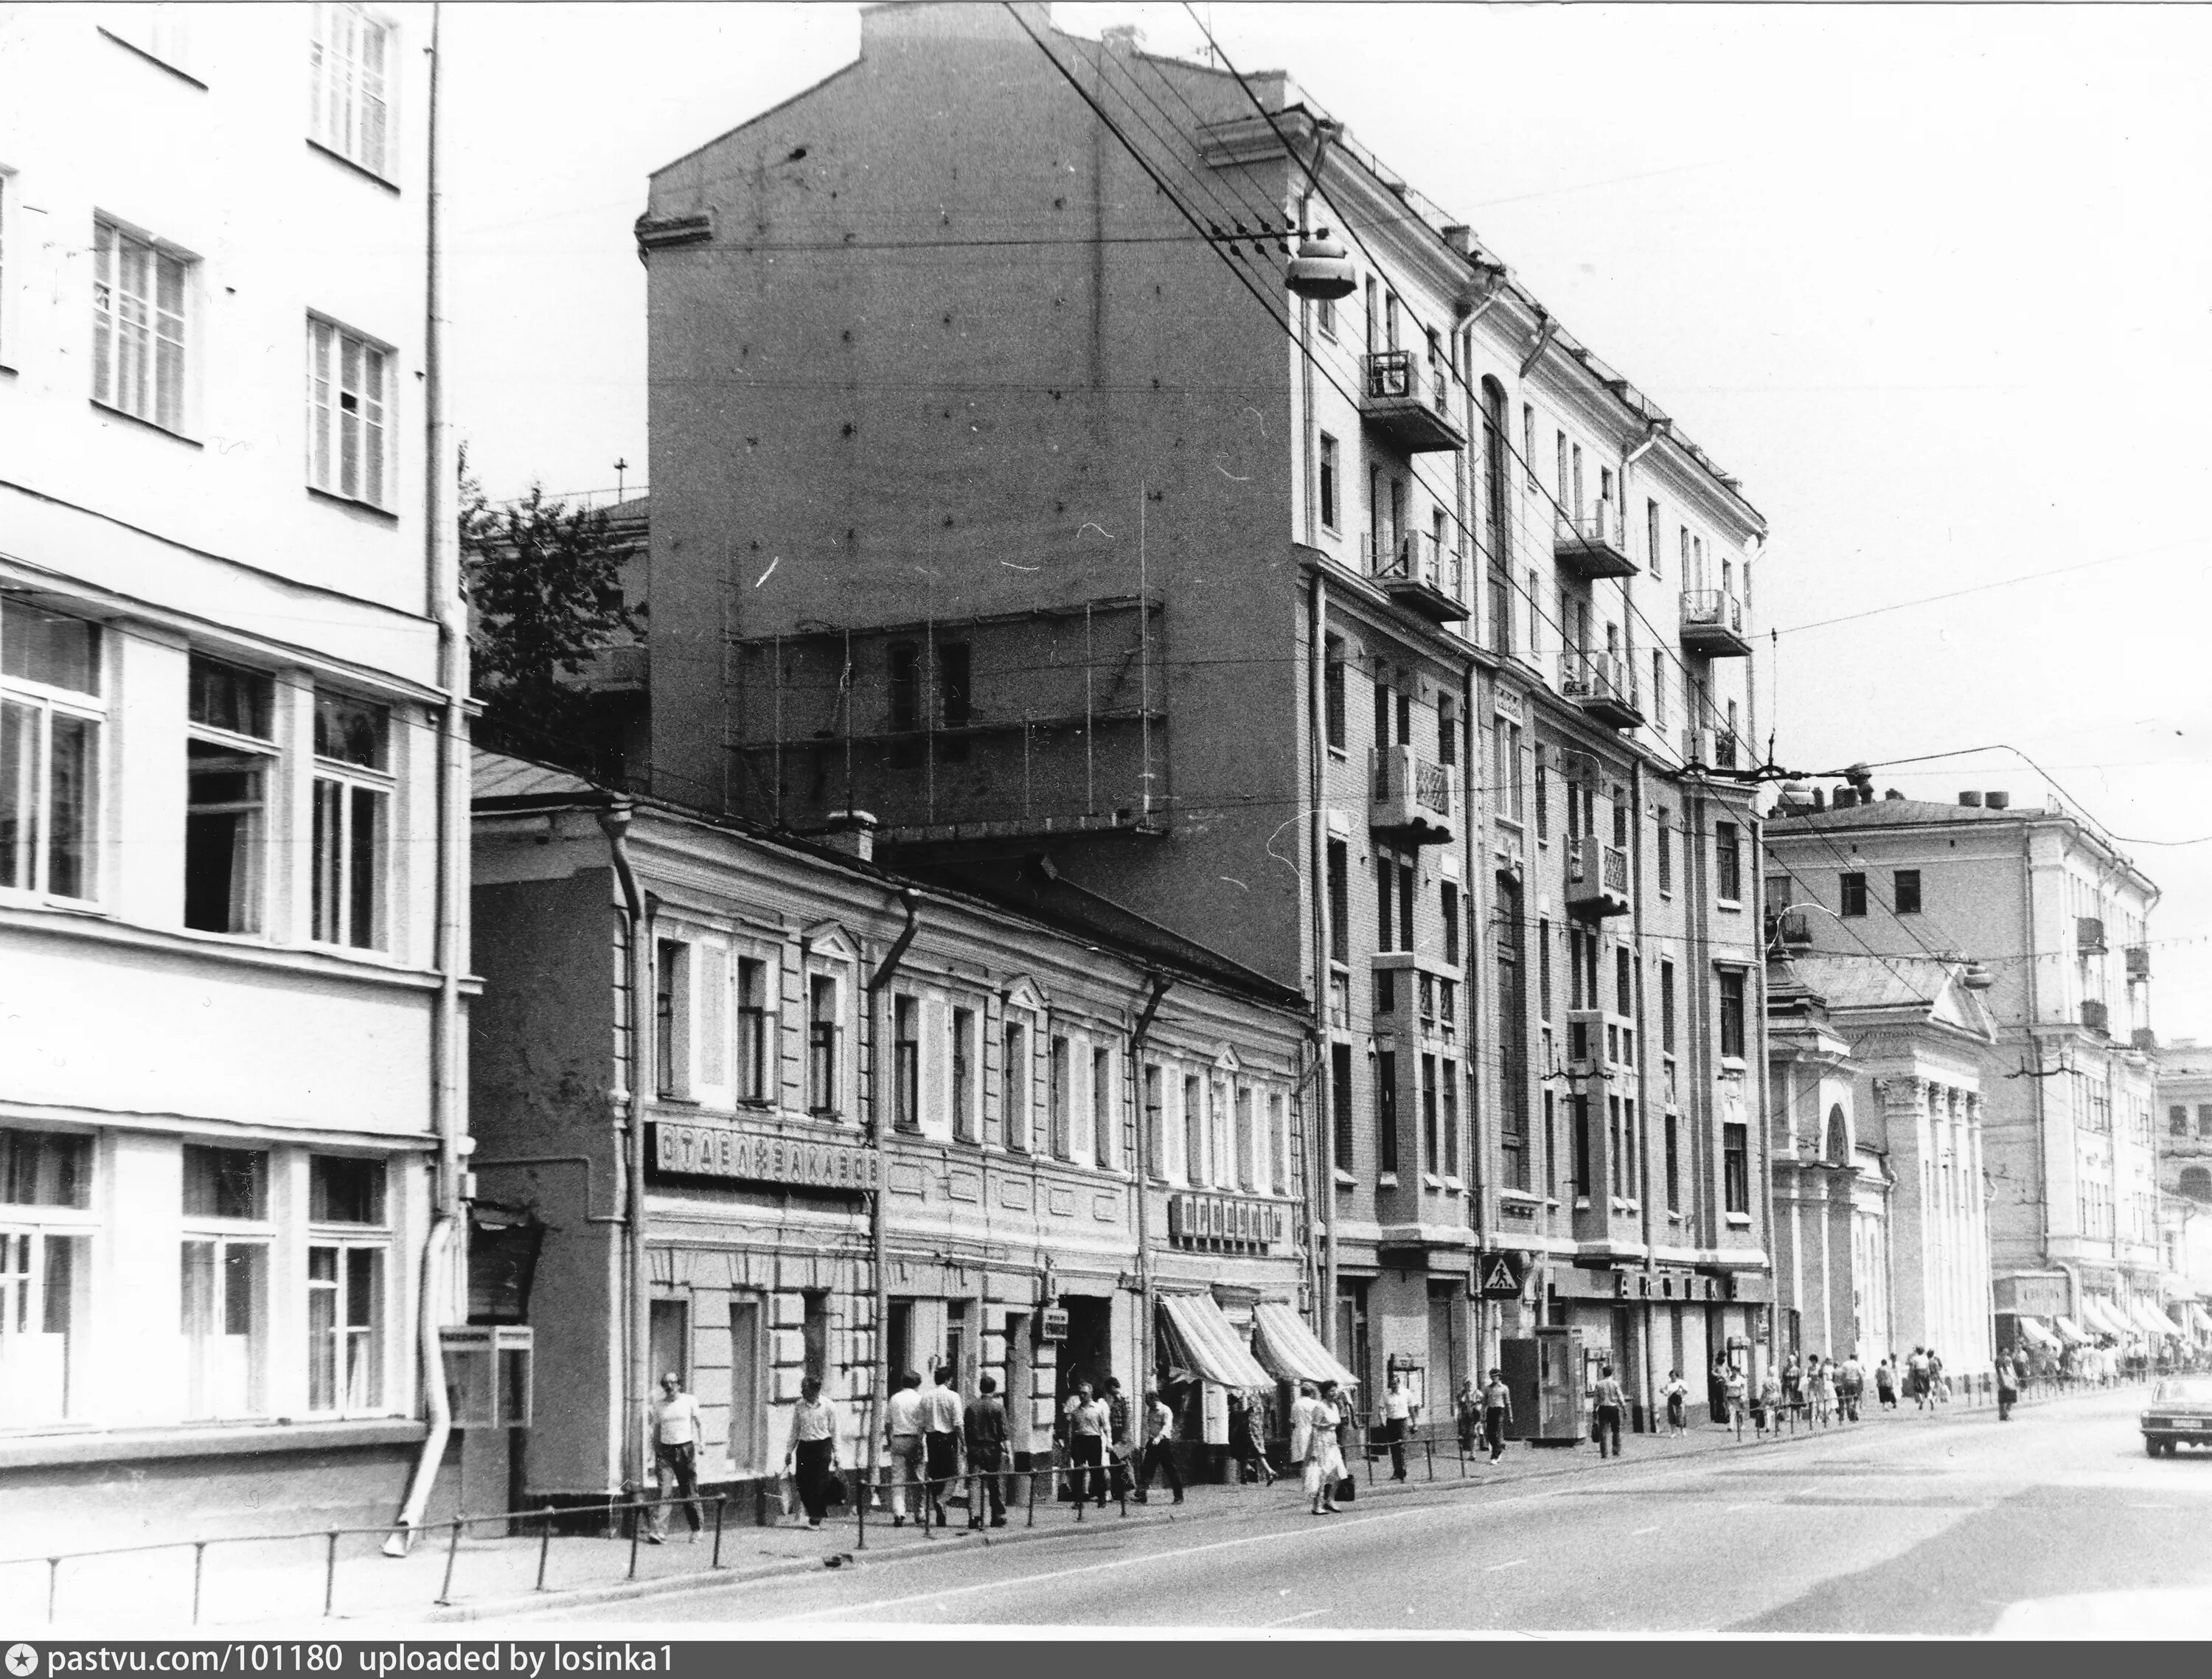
[219, 730]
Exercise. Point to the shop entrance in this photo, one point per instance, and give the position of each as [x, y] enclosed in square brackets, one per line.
[1087, 1354]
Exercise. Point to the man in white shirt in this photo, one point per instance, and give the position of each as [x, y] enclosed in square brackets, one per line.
[902, 1434]
[1089, 1422]
[1398, 1418]
[940, 1425]
[1159, 1449]
[675, 1457]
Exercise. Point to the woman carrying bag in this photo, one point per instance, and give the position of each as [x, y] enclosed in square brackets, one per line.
[811, 1460]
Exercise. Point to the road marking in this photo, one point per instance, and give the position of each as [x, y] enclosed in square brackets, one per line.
[1308, 1615]
[1287, 1535]
[1495, 1566]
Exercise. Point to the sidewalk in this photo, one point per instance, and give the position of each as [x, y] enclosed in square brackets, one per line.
[244, 1583]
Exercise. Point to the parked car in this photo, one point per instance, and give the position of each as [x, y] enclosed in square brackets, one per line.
[2179, 1413]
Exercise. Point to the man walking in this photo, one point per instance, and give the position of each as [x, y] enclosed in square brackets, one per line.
[1398, 1423]
[675, 1457]
[1497, 1412]
[1088, 1422]
[2007, 1389]
[903, 1431]
[1916, 1375]
[1611, 1403]
[1159, 1449]
[941, 1425]
[1121, 1452]
[986, 1428]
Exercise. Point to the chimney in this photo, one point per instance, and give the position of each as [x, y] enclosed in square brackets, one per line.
[1973, 801]
[1893, 796]
[1460, 238]
[1998, 801]
[854, 833]
[1819, 798]
[1846, 797]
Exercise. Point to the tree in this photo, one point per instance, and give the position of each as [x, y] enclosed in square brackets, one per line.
[543, 582]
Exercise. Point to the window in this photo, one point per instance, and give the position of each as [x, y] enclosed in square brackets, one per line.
[1194, 1131]
[44, 1278]
[1340, 1105]
[45, 1169]
[1386, 1110]
[672, 1019]
[2204, 1120]
[352, 809]
[1564, 489]
[1620, 804]
[1528, 442]
[50, 718]
[345, 1328]
[162, 32]
[1735, 1167]
[955, 706]
[1325, 317]
[2177, 1121]
[1339, 905]
[229, 763]
[1651, 535]
[228, 1183]
[1385, 878]
[1333, 694]
[903, 661]
[1059, 1124]
[1580, 1105]
[1674, 1163]
[1535, 622]
[1665, 850]
[1447, 732]
[1220, 1118]
[1155, 1127]
[1501, 613]
[224, 1292]
[906, 1063]
[755, 1036]
[1624, 981]
[5, 214]
[1854, 894]
[137, 327]
[822, 1089]
[1431, 1150]
[348, 108]
[348, 417]
[1515, 768]
[1905, 888]
[1405, 906]
[1014, 1086]
[1543, 804]
[1448, 895]
[1242, 1143]
[1330, 469]
[1732, 1013]
[1667, 1007]
[1658, 689]
[1447, 1097]
[1381, 713]
[342, 1190]
[1102, 1108]
[1544, 970]
[1727, 863]
[965, 1125]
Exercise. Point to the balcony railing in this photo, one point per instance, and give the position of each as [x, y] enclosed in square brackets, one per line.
[1603, 685]
[1408, 397]
[1419, 571]
[1712, 623]
[1597, 877]
[1590, 544]
[1411, 796]
[1715, 749]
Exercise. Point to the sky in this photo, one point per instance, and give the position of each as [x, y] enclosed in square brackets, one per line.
[1936, 282]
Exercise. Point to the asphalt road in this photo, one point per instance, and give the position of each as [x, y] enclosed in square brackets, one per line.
[1944, 1523]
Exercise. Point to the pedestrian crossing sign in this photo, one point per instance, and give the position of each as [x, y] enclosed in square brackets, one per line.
[1495, 1280]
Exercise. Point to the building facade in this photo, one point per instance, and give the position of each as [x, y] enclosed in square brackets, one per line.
[1393, 645]
[824, 1039]
[2184, 1103]
[2059, 919]
[222, 1148]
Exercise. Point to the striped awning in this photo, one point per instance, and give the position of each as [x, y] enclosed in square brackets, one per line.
[2103, 1319]
[2201, 1318]
[1292, 1350]
[2035, 1331]
[1211, 1346]
[2073, 1332]
[2153, 1320]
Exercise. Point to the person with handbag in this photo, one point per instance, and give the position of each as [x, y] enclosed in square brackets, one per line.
[811, 1460]
[1315, 1421]
[1676, 1393]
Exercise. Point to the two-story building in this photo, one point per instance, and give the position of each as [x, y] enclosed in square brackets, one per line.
[232, 960]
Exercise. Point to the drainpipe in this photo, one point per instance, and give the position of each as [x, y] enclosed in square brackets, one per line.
[1139, 1033]
[1324, 1180]
[1642, 1057]
[441, 578]
[879, 1235]
[637, 916]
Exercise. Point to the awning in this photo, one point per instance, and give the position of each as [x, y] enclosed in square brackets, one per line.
[2153, 1320]
[2067, 1326]
[2103, 1319]
[1211, 1346]
[2035, 1331]
[2201, 1318]
[1293, 1351]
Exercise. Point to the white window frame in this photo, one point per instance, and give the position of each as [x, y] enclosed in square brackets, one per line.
[226, 1235]
[349, 102]
[39, 1221]
[361, 414]
[44, 702]
[1018, 1082]
[350, 779]
[1105, 1093]
[122, 318]
[276, 790]
[376, 1336]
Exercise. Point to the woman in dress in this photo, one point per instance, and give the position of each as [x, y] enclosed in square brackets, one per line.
[1676, 1393]
[1314, 1424]
[811, 1459]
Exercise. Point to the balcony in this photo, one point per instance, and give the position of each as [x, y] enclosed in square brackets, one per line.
[1597, 878]
[1604, 685]
[2138, 957]
[2089, 936]
[1418, 573]
[2095, 1016]
[1590, 545]
[1408, 399]
[1411, 799]
[1789, 930]
[1712, 625]
[1709, 748]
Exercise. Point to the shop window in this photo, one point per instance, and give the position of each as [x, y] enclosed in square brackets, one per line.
[749, 1380]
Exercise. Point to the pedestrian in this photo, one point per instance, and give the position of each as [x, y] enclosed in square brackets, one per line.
[675, 1457]
[1611, 1403]
[1159, 1449]
[1772, 1397]
[1314, 1423]
[1938, 1388]
[810, 1459]
[1716, 1388]
[941, 1425]
[985, 1425]
[1733, 1395]
[1793, 1380]
[904, 1418]
[1244, 1440]
[1089, 1421]
[1398, 1423]
[1851, 1386]
[1467, 1412]
[1676, 1393]
[1497, 1413]
[1821, 1390]
[1885, 1386]
[1121, 1452]
[1916, 1376]
[2007, 1389]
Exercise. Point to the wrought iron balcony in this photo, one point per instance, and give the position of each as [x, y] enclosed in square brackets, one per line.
[1408, 398]
[1591, 546]
[1411, 798]
[1420, 573]
[1604, 685]
[1597, 878]
[1712, 623]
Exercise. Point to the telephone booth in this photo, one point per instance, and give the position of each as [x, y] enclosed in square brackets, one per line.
[1544, 1373]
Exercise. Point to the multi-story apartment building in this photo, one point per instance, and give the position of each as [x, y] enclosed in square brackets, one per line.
[222, 709]
[1881, 1226]
[1391, 644]
[871, 1123]
[2059, 918]
[2185, 1165]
